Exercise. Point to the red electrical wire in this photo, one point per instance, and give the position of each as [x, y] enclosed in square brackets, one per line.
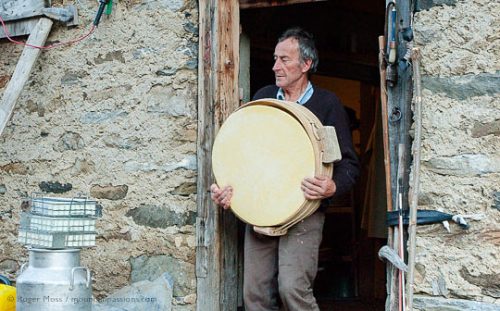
[47, 46]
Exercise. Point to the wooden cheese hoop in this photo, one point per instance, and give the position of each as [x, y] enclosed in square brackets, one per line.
[273, 118]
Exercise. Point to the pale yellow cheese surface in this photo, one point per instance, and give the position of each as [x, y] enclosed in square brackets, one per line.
[263, 153]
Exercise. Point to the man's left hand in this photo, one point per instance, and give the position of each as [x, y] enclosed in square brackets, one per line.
[317, 188]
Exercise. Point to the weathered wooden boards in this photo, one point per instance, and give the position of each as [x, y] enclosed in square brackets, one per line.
[399, 98]
[216, 230]
[23, 69]
[16, 14]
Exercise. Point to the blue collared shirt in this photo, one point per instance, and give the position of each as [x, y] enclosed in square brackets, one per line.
[303, 98]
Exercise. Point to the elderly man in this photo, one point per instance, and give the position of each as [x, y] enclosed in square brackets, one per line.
[284, 268]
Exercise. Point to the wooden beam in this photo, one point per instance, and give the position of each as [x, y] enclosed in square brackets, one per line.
[415, 188]
[207, 220]
[228, 97]
[19, 28]
[23, 69]
[400, 117]
[252, 4]
[385, 121]
[218, 96]
[227, 90]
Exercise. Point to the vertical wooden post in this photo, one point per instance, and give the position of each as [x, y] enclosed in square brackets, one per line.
[399, 99]
[218, 96]
[229, 100]
[385, 120]
[207, 220]
[412, 227]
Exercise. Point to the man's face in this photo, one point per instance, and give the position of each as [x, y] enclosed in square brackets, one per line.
[288, 69]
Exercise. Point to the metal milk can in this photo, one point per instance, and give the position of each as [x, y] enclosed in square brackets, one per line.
[53, 280]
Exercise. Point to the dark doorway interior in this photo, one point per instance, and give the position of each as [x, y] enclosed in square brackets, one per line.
[350, 276]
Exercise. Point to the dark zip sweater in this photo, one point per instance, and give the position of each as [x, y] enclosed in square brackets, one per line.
[329, 110]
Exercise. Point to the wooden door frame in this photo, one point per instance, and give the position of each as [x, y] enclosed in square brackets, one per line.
[218, 96]
[399, 98]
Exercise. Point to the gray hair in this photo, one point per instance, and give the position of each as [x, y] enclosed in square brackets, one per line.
[307, 47]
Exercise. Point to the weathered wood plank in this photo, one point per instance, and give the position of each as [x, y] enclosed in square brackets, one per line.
[19, 28]
[228, 98]
[227, 91]
[385, 120]
[23, 70]
[10, 10]
[207, 227]
[400, 116]
[218, 96]
[414, 190]
[19, 7]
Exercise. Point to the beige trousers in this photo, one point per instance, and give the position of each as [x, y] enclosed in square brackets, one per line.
[283, 267]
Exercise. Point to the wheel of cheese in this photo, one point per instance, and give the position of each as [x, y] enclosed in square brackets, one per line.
[264, 150]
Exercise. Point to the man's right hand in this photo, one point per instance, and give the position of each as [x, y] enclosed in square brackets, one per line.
[221, 197]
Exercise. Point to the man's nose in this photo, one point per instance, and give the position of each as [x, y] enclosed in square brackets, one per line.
[277, 65]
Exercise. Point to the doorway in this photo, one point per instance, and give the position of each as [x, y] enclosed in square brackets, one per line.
[350, 276]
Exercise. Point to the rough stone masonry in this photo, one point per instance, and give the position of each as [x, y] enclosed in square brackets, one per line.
[460, 42]
[113, 117]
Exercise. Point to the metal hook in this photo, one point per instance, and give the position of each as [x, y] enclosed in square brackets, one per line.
[395, 114]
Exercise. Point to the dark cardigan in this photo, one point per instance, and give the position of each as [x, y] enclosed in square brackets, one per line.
[329, 110]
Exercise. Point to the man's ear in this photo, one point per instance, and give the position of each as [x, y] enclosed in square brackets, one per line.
[306, 65]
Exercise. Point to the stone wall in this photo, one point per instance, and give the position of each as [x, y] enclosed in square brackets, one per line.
[460, 42]
[113, 117]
